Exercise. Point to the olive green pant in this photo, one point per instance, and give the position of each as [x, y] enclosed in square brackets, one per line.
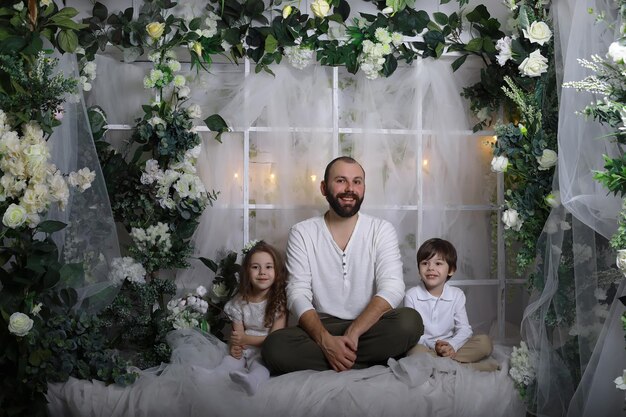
[292, 349]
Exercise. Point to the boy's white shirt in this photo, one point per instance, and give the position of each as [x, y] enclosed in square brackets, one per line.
[444, 318]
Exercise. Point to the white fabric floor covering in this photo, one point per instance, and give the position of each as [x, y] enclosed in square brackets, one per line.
[419, 385]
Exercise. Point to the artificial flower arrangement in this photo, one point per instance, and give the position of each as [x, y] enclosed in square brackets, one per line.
[523, 368]
[46, 334]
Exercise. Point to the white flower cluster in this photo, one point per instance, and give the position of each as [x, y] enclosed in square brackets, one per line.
[523, 363]
[126, 268]
[88, 73]
[178, 182]
[211, 26]
[537, 32]
[188, 311]
[153, 238]
[373, 56]
[28, 181]
[299, 56]
[164, 72]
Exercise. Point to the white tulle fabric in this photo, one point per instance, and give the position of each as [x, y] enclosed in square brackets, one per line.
[90, 236]
[415, 386]
[424, 173]
[575, 238]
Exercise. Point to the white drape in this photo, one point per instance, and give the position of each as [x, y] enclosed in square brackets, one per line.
[582, 340]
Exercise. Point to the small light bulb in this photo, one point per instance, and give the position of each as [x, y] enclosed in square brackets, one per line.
[313, 178]
[236, 175]
[425, 163]
[272, 176]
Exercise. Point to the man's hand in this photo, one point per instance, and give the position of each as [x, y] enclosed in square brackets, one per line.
[340, 351]
[444, 349]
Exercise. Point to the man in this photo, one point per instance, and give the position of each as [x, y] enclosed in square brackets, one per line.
[345, 279]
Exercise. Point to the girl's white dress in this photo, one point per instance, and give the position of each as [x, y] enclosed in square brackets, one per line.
[253, 315]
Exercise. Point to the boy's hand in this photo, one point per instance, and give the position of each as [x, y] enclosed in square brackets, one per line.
[236, 351]
[444, 349]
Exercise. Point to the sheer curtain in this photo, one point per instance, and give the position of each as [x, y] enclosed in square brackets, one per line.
[90, 237]
[572, 321]
[424, 171]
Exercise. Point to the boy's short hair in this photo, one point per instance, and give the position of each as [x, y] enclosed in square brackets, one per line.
[436, 246]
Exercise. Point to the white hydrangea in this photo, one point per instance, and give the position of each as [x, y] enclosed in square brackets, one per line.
[82, 178]
[298, 56]
[126, 268]
[188, 311]
[383, 36]
[523, 365]
[154, 237]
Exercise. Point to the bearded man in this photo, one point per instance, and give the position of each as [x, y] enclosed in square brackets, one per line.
[345, 282]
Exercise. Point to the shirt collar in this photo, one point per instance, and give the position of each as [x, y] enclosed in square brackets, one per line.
[423, 294]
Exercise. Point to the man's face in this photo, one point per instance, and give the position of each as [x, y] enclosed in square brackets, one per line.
[345, 188]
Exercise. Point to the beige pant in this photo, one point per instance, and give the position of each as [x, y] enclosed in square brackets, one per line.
[476, 348]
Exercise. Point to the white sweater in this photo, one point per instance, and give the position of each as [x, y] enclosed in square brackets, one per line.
[341, 283]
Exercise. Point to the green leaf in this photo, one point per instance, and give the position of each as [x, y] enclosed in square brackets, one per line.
[458, 62]
[522, 19]
[195, 24]
[475, 45]
[66, 12]
[439, 49]
[51, 226]
[211, 264]
[441, 18]
[67, 40]
[216, 123]
[343, 10]
[100, 11]
[270, 44]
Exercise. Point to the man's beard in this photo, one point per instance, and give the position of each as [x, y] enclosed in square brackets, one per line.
[342, 211]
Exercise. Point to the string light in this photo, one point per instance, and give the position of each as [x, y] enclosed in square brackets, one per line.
[313, 178]
[236, 175]
[425, 163]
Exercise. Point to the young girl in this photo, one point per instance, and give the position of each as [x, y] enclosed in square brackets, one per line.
[258, 309]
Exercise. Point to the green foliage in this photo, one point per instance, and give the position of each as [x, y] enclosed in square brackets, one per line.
[226, 278]
[134, 327]
[31, 90]
[618, 240]
[23, 30]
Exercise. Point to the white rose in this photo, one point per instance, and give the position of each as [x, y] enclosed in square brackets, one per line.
[553, 199]
[621, 260]
[534, 65]
[14, 217]
[194, 111]
[538, 32]
[617, 52]
[201, 291]
[511, 220]
[183, 92]
[220, 290]
[547, 160]
[320, 8]
[504, 47]
[20, 324]
[156, 120]
[499, 163]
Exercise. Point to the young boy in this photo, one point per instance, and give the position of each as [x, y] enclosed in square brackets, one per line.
[447, 331]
